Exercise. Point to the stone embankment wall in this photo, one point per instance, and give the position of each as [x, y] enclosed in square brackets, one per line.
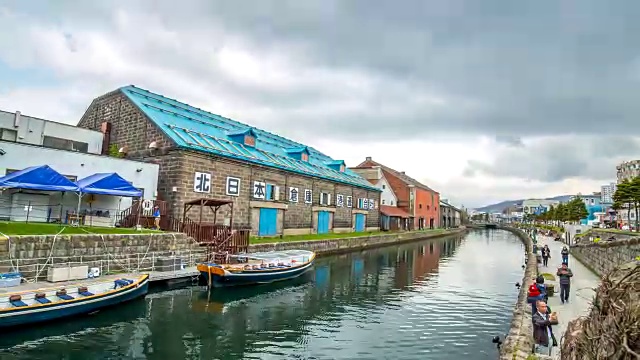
[605, 256]
[335, 246]
[30, 254]
[519, 342]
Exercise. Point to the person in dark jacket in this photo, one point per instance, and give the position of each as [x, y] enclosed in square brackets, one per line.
[546, 254]
[565, 255]
[564, 276]
[542, 334]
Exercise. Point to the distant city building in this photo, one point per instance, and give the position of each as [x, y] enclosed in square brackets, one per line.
[538, 206]
[606, 193]
[591, 200]
[628, 170]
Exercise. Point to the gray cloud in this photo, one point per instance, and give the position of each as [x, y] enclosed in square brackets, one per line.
[506, 70]
[555, 159]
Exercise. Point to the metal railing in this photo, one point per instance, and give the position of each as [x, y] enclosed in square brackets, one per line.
[35, 269]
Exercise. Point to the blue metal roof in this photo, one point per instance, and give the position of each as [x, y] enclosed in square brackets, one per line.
[196, 129]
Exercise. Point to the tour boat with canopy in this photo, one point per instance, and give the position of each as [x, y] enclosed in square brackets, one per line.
[258, 268]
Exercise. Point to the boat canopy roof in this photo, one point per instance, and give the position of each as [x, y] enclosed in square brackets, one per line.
[275, 255]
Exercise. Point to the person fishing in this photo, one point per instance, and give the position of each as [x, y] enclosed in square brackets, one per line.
[546, 254]
[565, 255]
[564, 276]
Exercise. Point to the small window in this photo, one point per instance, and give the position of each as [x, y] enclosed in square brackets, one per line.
[420, 206]
[384, 186]
[249, 140]
[8, 135]
[341, 168]
[64, 144]
[428, 207]
[272, 193]
[391, 202]
[304, 157]
[382, 202]
[325, 199]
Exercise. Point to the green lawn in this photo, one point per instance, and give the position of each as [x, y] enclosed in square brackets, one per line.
[20, 228]
[309, 237]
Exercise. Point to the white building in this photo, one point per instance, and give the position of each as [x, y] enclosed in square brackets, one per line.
[531, 206]
[376, 177]
[606, 193]
[74, 152]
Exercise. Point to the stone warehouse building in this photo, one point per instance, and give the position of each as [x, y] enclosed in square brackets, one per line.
[278, 186]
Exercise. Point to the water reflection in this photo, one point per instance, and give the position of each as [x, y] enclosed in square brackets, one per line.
[402, 303]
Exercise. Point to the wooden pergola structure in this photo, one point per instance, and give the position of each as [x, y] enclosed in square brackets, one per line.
[213, 204]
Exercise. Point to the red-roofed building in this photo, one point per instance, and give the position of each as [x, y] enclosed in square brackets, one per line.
[417, 200]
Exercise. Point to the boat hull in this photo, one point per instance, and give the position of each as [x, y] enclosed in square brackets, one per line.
[244, 279]
[36, 314]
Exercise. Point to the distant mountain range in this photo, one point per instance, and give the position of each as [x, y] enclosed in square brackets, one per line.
[494, 208]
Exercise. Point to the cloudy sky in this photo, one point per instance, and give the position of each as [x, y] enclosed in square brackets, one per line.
[483, 100]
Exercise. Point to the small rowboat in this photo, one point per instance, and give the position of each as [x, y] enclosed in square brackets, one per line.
[27, 307]
[258, 268]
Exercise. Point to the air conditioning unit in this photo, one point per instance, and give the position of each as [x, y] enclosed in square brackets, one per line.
[66, 273]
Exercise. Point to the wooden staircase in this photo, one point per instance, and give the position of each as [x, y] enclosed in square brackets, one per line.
[220, 240]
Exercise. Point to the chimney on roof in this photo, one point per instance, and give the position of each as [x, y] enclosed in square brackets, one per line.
[402, 172]
[368, 158]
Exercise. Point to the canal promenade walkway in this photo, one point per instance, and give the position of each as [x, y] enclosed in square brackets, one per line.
[583, 284]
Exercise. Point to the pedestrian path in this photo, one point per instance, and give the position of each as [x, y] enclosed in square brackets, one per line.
[581, 292]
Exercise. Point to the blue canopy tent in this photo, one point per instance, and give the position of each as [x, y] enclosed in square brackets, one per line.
[108, 184]
[42, 178]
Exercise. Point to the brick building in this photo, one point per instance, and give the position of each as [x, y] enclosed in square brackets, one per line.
[278, 186]
[418, 200]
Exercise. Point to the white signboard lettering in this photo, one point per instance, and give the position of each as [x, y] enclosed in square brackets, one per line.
[349, 201]
[293, 194]
[339, 200]
[308, 196]
[202, 182]
[259, 190]
[233, 186]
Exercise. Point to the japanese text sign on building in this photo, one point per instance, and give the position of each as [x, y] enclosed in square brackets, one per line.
[339, 200]
[365, 203]
[233, 186]
[349, 201]
[372, 204]
[308, 196]
[259, 191]
[202, 182]
[293, 194]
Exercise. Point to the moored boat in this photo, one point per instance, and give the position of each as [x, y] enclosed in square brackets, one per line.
[33, 306]
[258, 268]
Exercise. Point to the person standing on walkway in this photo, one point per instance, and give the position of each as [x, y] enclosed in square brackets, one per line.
[156, 217]
[542, 334]
[565, 255]
[564, 275]
[546, 254]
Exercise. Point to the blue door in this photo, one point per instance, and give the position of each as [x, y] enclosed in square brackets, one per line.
[323, 222]
[268, 225]
[360, 222]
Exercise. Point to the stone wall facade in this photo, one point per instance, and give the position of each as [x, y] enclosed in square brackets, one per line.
[131, 129]
[605, 256]
[110, 253]
[518, 344]
[348, 244]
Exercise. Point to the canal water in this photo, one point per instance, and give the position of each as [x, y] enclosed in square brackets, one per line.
[439, 299]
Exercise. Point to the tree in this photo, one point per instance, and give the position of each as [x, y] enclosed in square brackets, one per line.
[634, 192]
[575, 210]
[623, 197]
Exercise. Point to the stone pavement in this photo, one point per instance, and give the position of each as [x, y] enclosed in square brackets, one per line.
[581, 293]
